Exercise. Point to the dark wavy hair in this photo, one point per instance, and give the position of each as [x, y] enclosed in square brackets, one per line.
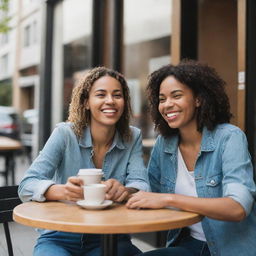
[81, 117]
[205, 84]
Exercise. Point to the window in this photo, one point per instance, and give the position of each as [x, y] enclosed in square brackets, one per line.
[77, 33]
[4, 62]
[34, 31]
[4, 38]
[27, 36]
[147, 34]
[30, 34]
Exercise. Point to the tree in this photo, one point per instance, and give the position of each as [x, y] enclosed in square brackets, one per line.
[4, 18]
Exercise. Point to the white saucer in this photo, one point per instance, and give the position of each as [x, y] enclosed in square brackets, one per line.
[103, 205]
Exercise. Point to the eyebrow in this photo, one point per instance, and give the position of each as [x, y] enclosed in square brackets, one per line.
[103, 90]
[172, 92]
[176, 91]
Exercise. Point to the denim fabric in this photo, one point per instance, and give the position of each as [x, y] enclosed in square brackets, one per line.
[71, 244]
[188, 246]
[223, 169]
[64, 154]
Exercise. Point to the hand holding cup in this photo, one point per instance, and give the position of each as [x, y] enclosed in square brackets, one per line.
[115, 190]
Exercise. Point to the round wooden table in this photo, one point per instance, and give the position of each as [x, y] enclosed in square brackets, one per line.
[116, 219]
[8, 148]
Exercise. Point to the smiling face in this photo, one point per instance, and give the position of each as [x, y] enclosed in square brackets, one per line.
[177, 104]
[105, 102]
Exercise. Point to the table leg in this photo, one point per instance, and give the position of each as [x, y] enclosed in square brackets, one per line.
[109, 245]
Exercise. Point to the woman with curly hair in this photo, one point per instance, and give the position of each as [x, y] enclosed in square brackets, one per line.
[97, 135]
[200, 163]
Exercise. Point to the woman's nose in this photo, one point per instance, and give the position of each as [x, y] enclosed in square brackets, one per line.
[109, 99]
[169, 102]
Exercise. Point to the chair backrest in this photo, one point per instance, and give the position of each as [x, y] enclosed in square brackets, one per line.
[8, 200]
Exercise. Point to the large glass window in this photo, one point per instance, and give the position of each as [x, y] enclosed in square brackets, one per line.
[147, 32]
[77, 30]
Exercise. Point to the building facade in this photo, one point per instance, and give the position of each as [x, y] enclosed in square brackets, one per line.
[20, 52]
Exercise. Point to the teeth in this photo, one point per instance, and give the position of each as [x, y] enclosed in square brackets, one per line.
[109, 111]
[171, 114]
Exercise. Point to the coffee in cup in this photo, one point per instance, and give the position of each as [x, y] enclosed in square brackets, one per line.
[94, 194]
[90, 176]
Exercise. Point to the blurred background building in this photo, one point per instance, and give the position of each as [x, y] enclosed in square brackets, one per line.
[52, 43]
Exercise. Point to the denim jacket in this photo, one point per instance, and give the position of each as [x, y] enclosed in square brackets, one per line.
[64, 154]
[223, 169]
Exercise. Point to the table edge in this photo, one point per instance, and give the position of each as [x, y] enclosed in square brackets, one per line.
[95, 229]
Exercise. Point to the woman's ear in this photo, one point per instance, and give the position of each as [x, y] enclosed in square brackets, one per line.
[198, 102]
[86, 105]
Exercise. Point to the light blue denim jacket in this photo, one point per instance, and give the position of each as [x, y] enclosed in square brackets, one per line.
[223, 169]
[64, 154]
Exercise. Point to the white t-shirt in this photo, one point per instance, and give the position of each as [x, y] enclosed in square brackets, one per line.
[185, 185]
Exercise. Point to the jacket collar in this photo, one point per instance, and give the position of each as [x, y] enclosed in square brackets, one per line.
[207, 144]
[86, 140]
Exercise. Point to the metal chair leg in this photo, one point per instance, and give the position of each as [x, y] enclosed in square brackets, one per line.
[8, 238]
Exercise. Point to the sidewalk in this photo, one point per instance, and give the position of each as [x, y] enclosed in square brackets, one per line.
[24, 238]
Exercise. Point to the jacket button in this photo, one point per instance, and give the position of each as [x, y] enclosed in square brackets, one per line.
[212, 182]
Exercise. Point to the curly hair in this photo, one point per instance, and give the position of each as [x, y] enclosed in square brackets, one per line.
[80, 116]
[205, 84]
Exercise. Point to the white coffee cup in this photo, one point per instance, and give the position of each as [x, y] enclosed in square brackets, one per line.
[90, 176]
[94, 194]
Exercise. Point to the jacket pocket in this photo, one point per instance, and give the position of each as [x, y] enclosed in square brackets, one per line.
[214, 186]
[167, 185]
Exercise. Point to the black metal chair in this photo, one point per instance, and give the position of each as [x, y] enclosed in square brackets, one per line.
[8, 200]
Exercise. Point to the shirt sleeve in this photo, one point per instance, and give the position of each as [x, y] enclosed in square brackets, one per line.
[238, 182]
[136, 173]
[38, 178]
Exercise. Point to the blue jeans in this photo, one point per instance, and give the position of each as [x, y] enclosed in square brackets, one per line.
[73, 244]
[188, 246]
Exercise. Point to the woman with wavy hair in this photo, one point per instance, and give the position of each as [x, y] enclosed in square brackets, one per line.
[200, 163]
[97, 135]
